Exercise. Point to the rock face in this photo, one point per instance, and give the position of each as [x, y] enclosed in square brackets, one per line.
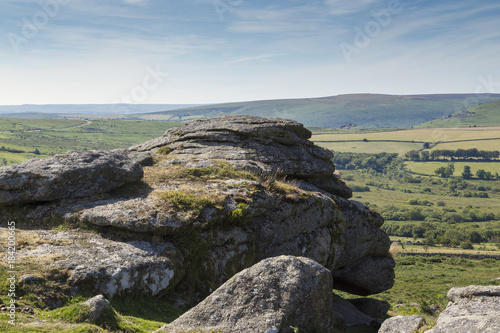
[272, 296]
[72, 175]
[471, 309]
[255, 143]
[209, 206]
[364, 266]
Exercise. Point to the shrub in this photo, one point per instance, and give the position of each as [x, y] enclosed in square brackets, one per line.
[413, 201]
[467, 246]
[407, 261]
[489, 261]
[357, 188]
[440, 203]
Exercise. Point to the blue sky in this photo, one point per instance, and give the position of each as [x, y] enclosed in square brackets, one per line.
[210, 51]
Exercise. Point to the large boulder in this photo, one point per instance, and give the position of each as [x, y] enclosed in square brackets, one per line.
[266, 145]
[473, 309]
[274, 295]
[72, 175]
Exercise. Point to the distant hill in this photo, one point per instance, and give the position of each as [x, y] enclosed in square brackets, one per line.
[364, 110]
[58, 109]
[487, 114]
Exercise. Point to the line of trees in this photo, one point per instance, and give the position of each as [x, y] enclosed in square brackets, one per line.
[11, 150]
[356, 161]
[459, 154]
[447, 172]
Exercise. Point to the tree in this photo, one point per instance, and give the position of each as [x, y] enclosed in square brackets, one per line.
[413, 155]
[424, 156]
[467, 174]
[36, 151]
[480, 174]
[445, 172]
[475, 237]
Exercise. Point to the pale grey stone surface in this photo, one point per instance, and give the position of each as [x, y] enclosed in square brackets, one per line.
[271, 296]
[472, 309]
[402, 324]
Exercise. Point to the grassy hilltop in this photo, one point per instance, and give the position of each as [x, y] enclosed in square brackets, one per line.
[487, 114]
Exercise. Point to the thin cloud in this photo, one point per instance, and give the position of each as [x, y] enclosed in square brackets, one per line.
[255, 58]
[342, 7]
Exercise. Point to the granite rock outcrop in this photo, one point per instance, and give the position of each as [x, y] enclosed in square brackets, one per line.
[210, 199]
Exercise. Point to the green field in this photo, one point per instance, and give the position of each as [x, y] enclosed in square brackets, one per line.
[370, 147]
[479, 144]
[56, 136]
[428, 168]
[402, 141]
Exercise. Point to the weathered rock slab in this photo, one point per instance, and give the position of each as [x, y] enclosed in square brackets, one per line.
[105, 266]
[73, 175]
[402, 324]
[250, 142]
[474, 309]
[272, 296]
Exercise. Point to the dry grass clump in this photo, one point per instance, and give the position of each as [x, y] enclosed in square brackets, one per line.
[157, 175]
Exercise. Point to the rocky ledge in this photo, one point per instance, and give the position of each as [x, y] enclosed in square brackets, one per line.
[216, 197]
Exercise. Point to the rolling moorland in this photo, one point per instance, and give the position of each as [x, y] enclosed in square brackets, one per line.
[425, 212]
[363, 110]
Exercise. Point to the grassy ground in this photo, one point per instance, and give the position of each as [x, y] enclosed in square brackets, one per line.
[15, 124]
[132, 315]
